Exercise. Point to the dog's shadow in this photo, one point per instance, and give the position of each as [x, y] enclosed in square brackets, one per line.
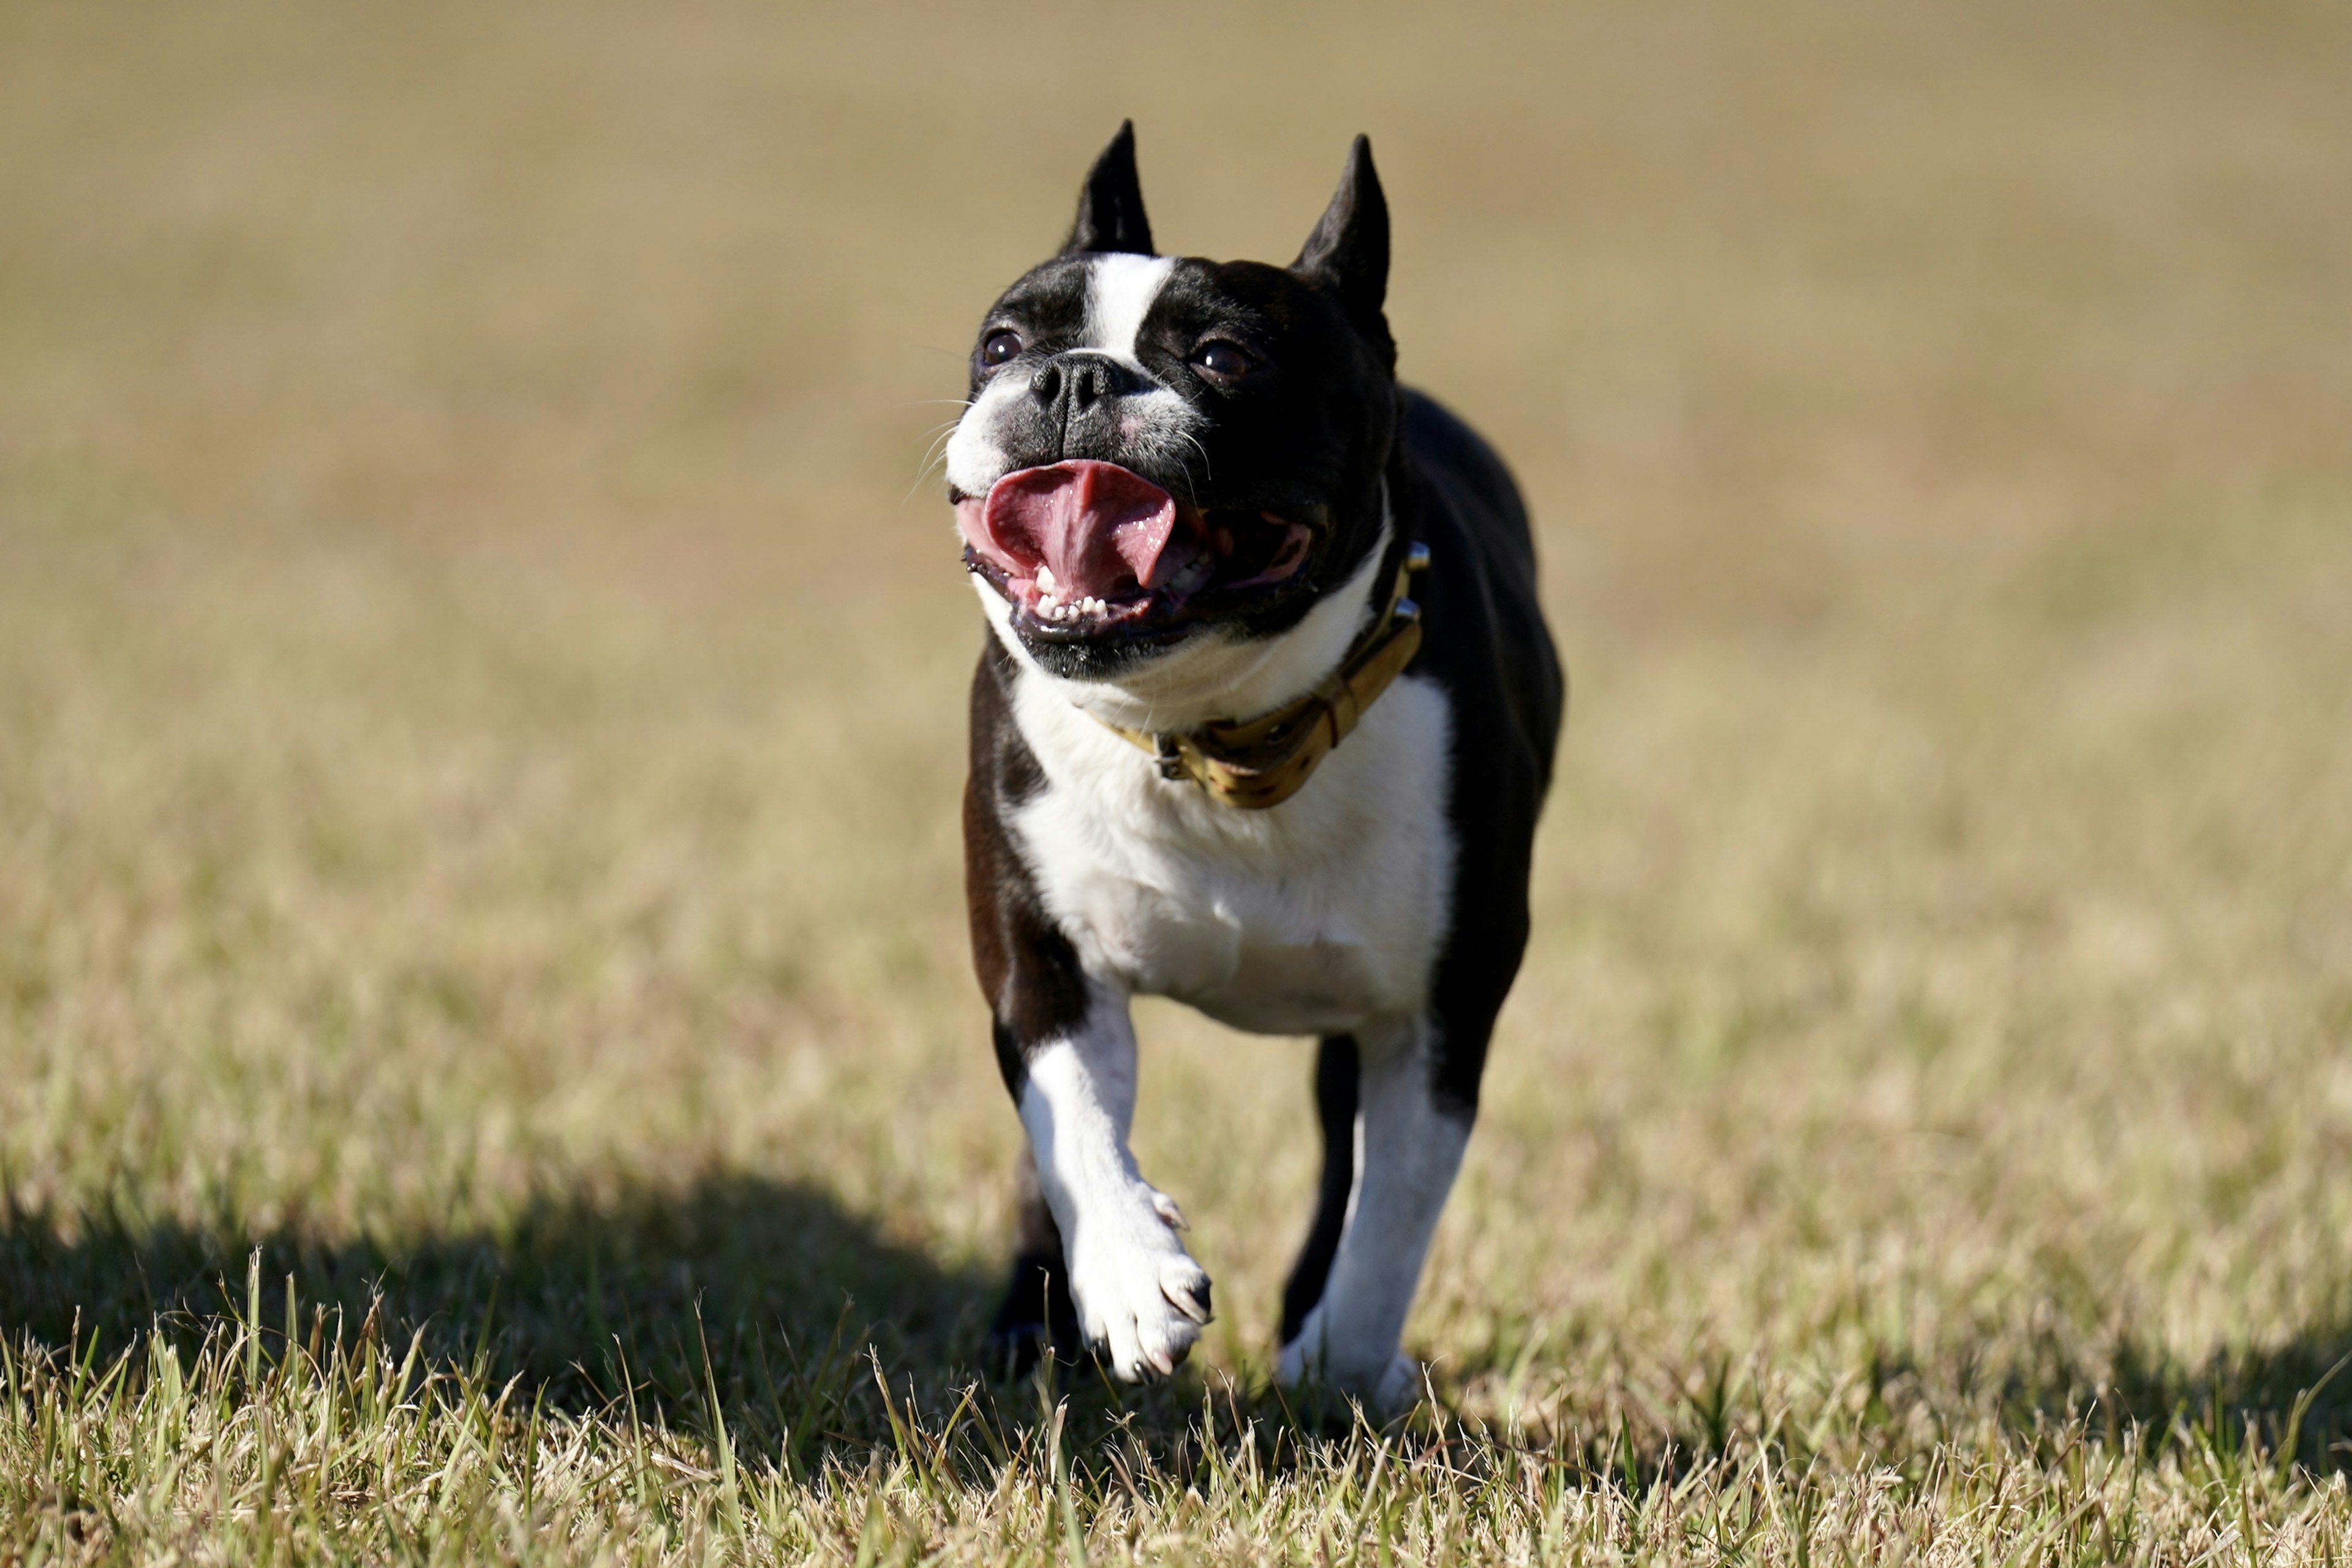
[783, 1302]
[776, 1296]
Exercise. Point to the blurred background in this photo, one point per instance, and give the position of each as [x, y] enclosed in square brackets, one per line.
[482, 657]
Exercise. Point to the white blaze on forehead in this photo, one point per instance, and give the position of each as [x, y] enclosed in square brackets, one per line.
[1120, 291]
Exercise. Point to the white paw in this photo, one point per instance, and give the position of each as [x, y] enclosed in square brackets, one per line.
[1387, 1383]
[1402, 1386]
[1141, 1296]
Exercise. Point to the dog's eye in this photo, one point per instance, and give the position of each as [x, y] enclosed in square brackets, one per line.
[1000, 347]
[1224, 359]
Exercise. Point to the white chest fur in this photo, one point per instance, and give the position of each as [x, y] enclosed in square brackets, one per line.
[1320, 916]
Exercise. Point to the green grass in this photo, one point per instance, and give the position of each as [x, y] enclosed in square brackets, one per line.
[489, 1066]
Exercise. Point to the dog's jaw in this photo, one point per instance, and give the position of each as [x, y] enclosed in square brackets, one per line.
[1215, 675]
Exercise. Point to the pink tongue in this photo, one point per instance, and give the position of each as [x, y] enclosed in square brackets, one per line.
[1097, 527]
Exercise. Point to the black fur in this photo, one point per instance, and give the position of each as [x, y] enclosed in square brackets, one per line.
[1037, 1315]
[1026, 967]
[1348, 254]
[1111, 206]
[1336, 1082]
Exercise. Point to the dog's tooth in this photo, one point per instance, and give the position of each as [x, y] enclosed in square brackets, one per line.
[1045, 578]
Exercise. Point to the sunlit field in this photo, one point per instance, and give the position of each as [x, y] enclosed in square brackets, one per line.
[489, 1063]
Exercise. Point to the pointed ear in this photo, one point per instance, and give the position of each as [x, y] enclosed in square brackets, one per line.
[1110, 208]
[1347, 257]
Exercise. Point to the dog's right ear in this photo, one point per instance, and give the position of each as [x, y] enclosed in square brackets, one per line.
[1110, 208]
[1348, 255]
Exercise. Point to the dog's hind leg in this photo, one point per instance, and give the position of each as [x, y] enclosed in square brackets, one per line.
[1337, 1072]
[1407, 1147]
[1035, 1315]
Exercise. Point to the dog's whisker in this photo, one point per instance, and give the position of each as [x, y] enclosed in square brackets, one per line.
[934, 452]
[1208, 471]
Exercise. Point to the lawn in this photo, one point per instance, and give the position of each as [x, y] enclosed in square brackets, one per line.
[489, 1063]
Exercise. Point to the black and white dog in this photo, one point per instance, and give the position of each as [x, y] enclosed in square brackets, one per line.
[1192, 497]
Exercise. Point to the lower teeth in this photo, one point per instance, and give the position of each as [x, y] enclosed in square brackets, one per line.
[1071, 610]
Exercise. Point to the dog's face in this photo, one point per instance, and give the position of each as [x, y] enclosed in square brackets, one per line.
[1162, 450]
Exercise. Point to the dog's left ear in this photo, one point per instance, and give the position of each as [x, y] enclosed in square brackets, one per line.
[1110, 208]
[1347, 257]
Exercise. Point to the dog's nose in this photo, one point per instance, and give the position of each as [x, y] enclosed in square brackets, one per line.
[1083, 377]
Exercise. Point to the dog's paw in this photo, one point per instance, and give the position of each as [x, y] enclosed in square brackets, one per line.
[1387, 1385]
[1141, 1296]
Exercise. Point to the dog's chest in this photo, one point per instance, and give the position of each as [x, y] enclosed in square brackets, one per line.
[1317, 917]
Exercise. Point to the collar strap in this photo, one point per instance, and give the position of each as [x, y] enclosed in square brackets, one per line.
[1258, 762]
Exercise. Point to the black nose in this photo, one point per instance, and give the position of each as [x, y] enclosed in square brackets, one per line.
[1080, 379]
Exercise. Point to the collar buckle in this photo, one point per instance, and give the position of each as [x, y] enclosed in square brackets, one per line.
[1169, 753]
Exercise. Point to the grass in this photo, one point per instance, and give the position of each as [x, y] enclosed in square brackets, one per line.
[489, 1069]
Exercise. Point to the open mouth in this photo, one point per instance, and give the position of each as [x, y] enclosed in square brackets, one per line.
[1084, 548]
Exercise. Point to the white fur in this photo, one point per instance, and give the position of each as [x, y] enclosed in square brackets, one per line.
[1320, 916]
[1120, 291]
[974, 461]
[1139, 1294]
[1407, 1153]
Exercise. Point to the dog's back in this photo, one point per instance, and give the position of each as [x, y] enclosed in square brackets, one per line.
[1470, 511]
[1486, 644]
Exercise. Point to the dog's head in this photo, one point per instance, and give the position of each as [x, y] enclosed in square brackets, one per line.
[1159, 450]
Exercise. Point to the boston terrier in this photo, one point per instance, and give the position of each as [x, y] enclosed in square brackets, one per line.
[1264, 724]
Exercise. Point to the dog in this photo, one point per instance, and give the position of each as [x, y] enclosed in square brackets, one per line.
[1213, 539]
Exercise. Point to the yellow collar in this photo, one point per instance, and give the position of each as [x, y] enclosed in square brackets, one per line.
[1259, 762]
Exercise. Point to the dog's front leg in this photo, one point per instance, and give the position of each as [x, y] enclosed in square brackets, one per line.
[1139, 1296]
[1407, 1147]
[1067, 1050]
